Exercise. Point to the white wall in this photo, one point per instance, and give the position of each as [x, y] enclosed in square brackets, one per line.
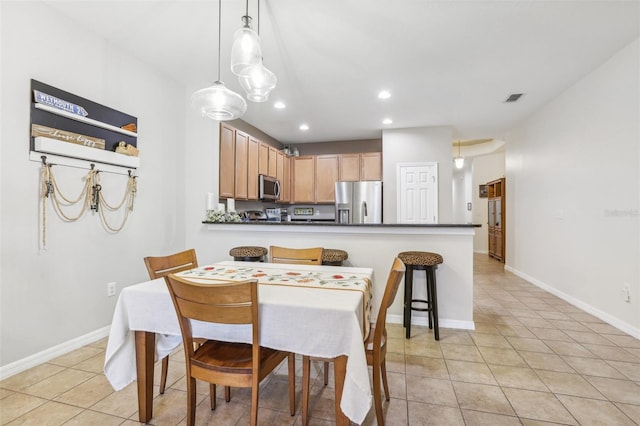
[417, 145]
[485, 169]
[52, 297]
[573, 192]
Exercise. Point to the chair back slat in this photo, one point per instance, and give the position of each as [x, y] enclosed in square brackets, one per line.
[303, 256]
[390, 291]
[161, 266]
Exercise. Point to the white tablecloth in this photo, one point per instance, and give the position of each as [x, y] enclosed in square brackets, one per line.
[323, 322]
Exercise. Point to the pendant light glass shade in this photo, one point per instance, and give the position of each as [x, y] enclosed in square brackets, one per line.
[217, 102]
[246, 50]
[459, 161]
[257, 81]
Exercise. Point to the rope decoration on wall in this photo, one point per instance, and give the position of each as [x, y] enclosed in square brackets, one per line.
[90, 198]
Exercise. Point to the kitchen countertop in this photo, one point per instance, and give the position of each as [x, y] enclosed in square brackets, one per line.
[375, 225]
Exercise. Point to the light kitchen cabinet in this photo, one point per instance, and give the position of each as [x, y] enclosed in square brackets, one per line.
[286, 180]
[304, 180]
[281, 160]
[361, 166]
[263, 159]
[273, 161]
[242, 147]
[326, 177]
[252, 168]
[496, 216]
[226, 187]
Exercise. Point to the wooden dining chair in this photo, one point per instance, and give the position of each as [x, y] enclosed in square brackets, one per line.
[303, 256]
[219, 362]
[375, 348]
[161, 266]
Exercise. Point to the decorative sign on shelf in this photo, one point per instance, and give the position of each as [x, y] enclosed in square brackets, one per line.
[66, 136]
[43, 98]
[127, 149]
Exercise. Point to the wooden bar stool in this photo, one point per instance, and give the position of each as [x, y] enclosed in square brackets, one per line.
[334, 257]
[421, 261]
[248, 253]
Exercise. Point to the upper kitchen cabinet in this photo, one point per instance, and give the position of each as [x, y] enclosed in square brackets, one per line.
[360, 166]
[326, 177]
[227, 161]
[303, 180]
[273, 161]
[263, 159]
[242, 163]
[282, 172]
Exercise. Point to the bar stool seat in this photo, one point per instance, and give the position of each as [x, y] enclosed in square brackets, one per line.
[334, 257]
[421, 261]
[248, 253]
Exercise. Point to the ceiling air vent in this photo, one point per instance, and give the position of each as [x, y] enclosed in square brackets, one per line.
[514, 97]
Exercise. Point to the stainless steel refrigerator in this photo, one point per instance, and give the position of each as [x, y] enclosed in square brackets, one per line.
[359, 202]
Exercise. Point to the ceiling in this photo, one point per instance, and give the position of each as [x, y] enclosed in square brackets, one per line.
[446, 63]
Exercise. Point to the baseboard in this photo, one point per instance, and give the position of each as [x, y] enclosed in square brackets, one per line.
[481, 251]
[31, 361]
[442, 322]
[620, 325]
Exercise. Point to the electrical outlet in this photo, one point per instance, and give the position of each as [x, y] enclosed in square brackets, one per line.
[111, 289]
[626, 292]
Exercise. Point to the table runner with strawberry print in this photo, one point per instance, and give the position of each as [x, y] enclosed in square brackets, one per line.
[270, 274]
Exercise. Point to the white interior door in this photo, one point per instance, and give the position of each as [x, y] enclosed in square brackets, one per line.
[418, 193]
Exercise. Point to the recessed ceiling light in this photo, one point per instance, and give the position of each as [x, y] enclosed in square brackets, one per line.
[384, 94]
[279, 105]
[304, 127]
[387, 121]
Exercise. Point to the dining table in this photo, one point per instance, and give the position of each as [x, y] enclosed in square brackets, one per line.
[319, 311]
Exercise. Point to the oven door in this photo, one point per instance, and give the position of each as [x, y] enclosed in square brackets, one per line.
[269, 188]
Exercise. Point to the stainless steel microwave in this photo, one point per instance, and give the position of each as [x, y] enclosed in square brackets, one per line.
[268, 187]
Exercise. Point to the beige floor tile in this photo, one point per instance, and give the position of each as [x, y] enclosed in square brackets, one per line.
[123, 403]
[550, 334]
[517, 377]
[623, 340]
[422, 348]
[632, 411]
[553, 315]
[486, 328]
[588, 337]
[267, 416]
[536, 322]
[5, 393]
[568, 325]
[629, 369]
[611, 353]
[538, 406]
[584, 317]
[171, 407]
[102, 343]
[528, 344]
[568, 384]
[478, 418]
[95, 364]
[432, 391]
[514, 330]
[395, 363]
[225, 414]
[456, 337]
[545, 361]
[471, 372]
[490, 340]
[395, 345]
[624, 391]
[479, 397]
[593, 367]
[59, 383]
[461, 352]
[49, 414]
[428, 414]
[568, 348]
[397, 385]
[30, 376]
[394, 411]
[421, 366]
[87, 393]
[77, 356]
[591, 412]
[16, 405]
[89, 417]
[603, 328]
[502, 356]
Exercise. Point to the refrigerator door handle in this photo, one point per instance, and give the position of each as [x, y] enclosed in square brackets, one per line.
[364, 208]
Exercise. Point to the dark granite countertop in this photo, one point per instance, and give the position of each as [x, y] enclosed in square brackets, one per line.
[328, 223]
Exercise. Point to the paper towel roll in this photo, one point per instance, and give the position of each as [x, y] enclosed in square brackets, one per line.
[221, 207]
[231, 205]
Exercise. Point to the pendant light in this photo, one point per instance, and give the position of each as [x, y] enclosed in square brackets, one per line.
[217, 101]
[257, 80]
[459, 161]
[246, 50]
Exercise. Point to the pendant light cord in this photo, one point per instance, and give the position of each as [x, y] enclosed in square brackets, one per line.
[219, 33]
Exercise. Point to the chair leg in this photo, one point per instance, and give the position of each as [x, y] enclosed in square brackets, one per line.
[377, 398]
[429, 297]
[191, 401]
[255, 391]
[385, 384]
[227, 393]
[212, 396]
[306, 372]
[163, 373]
[326, 373]
[434, 302]
[292, 384]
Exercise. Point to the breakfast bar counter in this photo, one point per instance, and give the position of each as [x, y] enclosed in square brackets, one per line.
[374, 246]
